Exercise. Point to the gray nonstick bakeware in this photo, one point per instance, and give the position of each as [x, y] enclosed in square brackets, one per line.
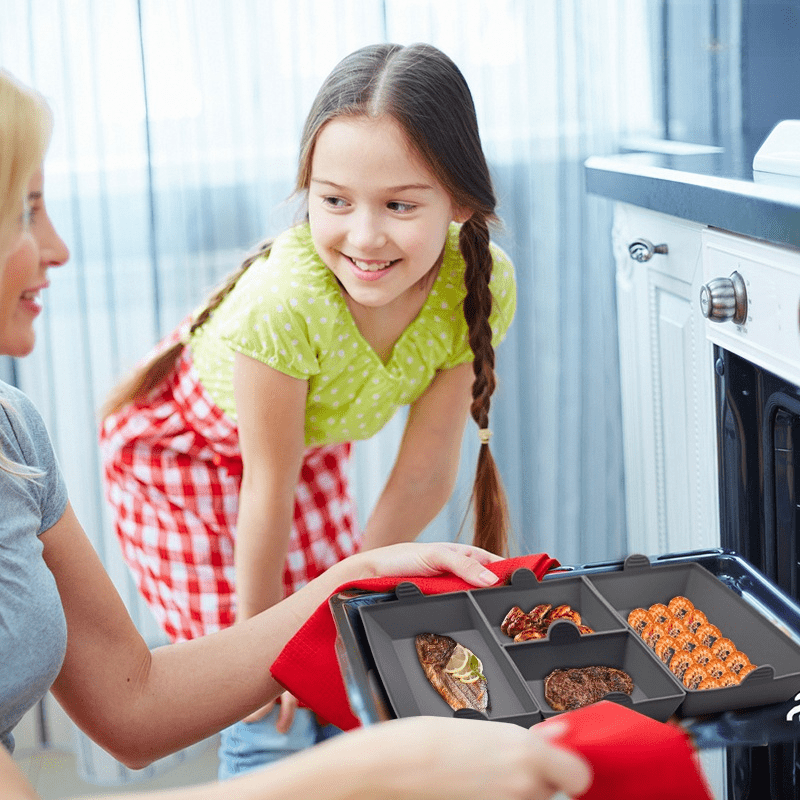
[515, 671]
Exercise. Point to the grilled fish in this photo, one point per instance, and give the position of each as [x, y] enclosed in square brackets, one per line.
[467, 687]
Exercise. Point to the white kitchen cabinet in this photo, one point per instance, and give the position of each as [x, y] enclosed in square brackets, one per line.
[666, 367]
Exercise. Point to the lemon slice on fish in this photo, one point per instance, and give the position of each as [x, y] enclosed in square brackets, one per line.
[472, 671]
[458, 660]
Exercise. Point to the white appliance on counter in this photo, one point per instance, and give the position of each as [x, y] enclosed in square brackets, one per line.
[778, 159]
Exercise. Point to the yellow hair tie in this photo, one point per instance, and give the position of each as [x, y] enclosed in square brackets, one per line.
[484, 434]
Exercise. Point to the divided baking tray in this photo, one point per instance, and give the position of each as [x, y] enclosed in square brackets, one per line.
[384, 679]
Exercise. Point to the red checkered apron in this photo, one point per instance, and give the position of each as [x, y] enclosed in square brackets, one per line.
[172, 471]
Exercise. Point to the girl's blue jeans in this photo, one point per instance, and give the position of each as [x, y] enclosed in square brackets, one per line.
[248, 745]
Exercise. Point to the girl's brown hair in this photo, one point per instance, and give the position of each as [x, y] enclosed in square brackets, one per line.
[425, 93]
[148, 375]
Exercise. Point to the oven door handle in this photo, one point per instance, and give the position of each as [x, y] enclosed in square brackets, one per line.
[748, 728]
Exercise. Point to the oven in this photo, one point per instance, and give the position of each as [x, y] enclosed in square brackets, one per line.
[751, 300]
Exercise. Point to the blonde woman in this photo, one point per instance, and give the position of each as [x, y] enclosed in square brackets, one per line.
[25, 121]
[64, 628]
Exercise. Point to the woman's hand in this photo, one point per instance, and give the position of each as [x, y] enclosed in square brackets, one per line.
[443, 758]
[426, 559]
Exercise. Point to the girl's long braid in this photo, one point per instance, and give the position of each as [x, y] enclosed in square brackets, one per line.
[226, 287]
[149, 375]
[490, 505]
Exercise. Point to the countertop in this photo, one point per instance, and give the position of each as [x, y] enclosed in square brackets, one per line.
[708, 188]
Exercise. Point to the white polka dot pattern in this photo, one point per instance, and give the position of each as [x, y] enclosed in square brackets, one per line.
[303, 328]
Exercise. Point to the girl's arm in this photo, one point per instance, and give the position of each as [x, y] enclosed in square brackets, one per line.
[142, 705]
[270, 409]
[426, 467]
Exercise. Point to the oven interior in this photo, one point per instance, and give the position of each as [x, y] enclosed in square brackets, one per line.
[758, 434]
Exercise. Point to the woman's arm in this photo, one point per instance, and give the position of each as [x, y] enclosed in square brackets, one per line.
[141, 705]
[420, 758]
[426, 467]
[270, 408]
[138, 704]
[15, 785]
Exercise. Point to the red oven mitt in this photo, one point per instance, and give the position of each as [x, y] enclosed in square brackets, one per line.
[632, 755]
[308, 668]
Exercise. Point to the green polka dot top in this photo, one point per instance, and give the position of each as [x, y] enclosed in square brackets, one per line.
[288, 311]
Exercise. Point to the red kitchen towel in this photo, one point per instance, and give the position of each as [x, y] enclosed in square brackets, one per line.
[632, 755]
[308, 667]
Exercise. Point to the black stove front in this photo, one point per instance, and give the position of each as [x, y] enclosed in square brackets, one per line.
[758, 437]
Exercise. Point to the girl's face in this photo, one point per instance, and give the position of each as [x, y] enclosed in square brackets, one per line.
[378, 216]
[24, 275]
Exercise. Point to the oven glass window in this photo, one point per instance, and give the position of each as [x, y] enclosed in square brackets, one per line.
[758, 436]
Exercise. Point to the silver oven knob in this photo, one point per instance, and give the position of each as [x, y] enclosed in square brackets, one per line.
[724, 299]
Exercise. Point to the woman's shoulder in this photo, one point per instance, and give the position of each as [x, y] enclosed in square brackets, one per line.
[22, 428]
[9, 392]
[17, 408]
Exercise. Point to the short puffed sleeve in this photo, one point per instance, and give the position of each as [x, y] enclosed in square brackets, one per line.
[277, 310]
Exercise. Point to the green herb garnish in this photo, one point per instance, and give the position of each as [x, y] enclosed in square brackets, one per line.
[474, 667]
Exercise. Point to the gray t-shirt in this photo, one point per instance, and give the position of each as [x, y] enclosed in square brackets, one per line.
[33, 631]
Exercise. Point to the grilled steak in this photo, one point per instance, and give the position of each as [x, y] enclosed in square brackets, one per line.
[470, 691]
[567, 689]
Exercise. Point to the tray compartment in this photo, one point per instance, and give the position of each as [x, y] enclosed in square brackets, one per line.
[640, 584]
[655, 692]
[390, 629]
[526, 591]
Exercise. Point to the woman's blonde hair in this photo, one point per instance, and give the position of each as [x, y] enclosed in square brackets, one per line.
[25, 127]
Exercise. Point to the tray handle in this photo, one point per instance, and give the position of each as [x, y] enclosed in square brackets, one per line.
[406, 590]
[563, 631]
[620, 698]
[636, 561]
[469, 713]
[523, 578]
[764, 673]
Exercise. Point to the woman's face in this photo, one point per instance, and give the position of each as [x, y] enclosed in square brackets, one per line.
[24, 274]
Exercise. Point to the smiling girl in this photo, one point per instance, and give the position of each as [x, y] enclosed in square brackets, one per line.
[240, 424]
